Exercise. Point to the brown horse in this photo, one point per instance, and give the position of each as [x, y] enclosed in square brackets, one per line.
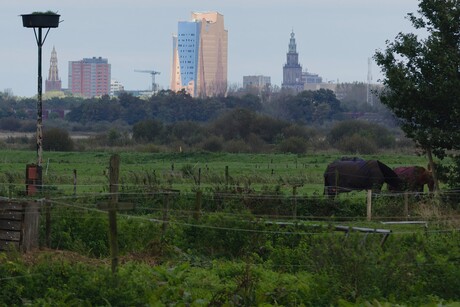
[414, 178]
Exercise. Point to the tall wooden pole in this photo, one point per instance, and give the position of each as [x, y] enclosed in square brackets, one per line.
[39, 101]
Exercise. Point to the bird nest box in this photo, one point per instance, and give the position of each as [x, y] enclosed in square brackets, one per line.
[41, 20]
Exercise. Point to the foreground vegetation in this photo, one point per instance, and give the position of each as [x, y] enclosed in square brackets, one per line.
[252, 241]
[232, 258]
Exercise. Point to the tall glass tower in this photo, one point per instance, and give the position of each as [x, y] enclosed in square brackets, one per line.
[199, 63]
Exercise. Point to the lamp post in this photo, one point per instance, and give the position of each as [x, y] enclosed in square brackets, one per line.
[39, 21]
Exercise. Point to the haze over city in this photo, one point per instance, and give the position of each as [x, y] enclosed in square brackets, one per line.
[334, 38]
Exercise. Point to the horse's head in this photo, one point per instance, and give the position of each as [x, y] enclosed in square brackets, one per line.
[429, 180]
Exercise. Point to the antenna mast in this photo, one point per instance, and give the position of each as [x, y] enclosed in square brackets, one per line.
[369, 81]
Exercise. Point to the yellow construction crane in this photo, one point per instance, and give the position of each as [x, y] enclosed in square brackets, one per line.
[152, 73]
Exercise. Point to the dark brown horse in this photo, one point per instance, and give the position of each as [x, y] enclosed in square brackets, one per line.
[414, 178]
[347, 175]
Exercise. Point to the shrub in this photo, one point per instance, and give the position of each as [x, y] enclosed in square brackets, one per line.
[212, 144]
[10, 124]
[57, 139]
[357, 144]
[236, 146]
[294, 145]
[360, 131]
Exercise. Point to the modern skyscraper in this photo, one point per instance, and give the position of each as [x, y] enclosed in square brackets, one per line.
[53, 83]
[199, 62]
[292, 70]
[89, 77]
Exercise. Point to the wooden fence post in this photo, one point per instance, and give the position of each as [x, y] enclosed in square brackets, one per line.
[294, 199]
[165, 212]
[114, 175]
[47, 224]
[406, 205]
[226, 176]
[74, 182]
[197, 211]
[30, 226]
[369, 205]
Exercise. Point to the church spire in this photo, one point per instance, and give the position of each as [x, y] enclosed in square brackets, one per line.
[292, 44]
[53, 72]
[53, 83]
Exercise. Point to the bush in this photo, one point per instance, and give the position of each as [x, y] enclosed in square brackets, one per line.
[363, 133]
[10, 124]
[212, 144]
[236, 146]
[357, 144]
[57, 139]
[294, 145]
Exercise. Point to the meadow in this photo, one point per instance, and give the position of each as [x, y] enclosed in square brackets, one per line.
[182, 171]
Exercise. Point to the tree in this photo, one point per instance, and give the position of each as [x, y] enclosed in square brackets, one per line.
[147, 131]
[422, 78]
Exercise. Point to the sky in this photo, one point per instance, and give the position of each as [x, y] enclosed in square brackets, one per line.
[335, 38]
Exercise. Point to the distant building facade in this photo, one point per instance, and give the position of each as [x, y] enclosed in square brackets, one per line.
[258, 82]
[199, 64]
[90, 77]
[310, 78]
[116, 87]
[53, 83]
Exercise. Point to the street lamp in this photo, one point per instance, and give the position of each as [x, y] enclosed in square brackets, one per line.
[39, 21]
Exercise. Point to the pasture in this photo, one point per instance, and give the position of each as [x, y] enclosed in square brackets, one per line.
[181, 171]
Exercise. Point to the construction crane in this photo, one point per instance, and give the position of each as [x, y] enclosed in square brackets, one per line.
[153, 73]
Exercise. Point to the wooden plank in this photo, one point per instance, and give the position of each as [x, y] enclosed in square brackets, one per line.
[10, 225]
[11, 206]
[11, 215]
[10, 235]
[9, 245]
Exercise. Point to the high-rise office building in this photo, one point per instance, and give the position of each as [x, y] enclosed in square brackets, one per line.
[53, 83]
[292, 70]
[89, 77]
[199, 62]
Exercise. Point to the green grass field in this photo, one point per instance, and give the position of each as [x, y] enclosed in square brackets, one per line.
[180, 171]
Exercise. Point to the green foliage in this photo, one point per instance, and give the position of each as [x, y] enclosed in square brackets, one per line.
[147, 131]
[356, 136]
[293, 144]
[357, 144]
[422, 81]
[57, 139]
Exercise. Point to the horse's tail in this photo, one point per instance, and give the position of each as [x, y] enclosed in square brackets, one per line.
[391, 178]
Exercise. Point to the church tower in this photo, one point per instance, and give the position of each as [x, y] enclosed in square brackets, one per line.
[292, 70]
[53, 83]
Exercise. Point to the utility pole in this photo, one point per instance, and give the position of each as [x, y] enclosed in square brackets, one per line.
[38, 21]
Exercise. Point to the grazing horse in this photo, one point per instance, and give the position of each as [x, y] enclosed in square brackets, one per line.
[414, 178]
[347, 175]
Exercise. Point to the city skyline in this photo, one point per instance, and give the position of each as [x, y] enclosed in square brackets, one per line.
[334, 38]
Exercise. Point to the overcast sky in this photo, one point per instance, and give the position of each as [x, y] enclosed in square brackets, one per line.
[334, 38]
